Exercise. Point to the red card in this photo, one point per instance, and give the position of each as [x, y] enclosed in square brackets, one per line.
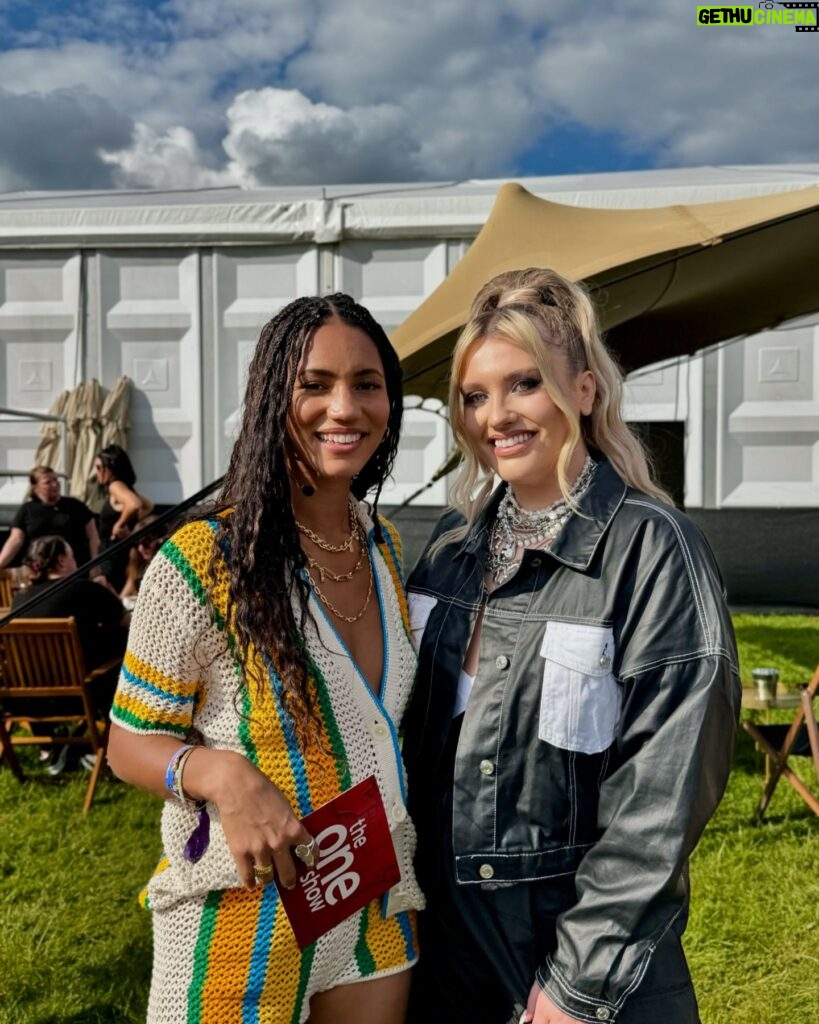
[355, 862]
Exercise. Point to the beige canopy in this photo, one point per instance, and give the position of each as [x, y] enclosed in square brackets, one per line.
[666, 281]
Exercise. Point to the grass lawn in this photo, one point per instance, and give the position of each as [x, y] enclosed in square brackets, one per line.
[75, 947]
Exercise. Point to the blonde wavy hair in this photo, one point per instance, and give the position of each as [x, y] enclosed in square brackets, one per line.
[544, 313]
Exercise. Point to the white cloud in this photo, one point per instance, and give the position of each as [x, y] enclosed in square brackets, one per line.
[97, 68]
[167, 160]
[459, 70]
[274, 136]
[275, 91]
[50, 142]
[692, 94]
[280, 25]
[280, 136]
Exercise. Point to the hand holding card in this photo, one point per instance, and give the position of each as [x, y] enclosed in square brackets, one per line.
[354, 862]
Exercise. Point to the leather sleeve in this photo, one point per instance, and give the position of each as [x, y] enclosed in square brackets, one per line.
[672, 758]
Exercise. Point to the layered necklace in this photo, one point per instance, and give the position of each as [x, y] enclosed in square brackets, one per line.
[325, 573]
[516, 528]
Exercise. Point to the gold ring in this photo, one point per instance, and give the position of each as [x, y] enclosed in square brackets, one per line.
[306, 853]
[262, 870]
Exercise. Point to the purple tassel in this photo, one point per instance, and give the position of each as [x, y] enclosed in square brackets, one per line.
[199, 840]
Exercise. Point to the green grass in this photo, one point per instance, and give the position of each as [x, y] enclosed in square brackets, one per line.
[786, 642]
[75, 948]
[753, 938]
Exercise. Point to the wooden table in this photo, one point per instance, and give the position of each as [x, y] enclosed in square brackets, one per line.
[752, 702]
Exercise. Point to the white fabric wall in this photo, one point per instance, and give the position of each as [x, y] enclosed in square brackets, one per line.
[172, 289]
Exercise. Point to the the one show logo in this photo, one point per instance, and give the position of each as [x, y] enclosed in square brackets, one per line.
[334, 878]
[355, 863]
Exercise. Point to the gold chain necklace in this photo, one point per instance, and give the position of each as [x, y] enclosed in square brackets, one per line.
[340, 577]
[329, 604]
[325, 545]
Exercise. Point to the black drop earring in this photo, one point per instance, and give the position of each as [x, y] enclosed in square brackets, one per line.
[308, 490]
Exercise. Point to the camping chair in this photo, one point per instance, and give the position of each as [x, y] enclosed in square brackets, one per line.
[41, 659]
[779, 742]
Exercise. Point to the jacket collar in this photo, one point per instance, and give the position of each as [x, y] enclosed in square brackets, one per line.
[577, 542]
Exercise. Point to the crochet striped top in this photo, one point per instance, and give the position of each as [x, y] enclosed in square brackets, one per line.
[180, 678]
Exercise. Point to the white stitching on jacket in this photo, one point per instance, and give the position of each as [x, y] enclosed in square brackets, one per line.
[681, 659]
[689, 564]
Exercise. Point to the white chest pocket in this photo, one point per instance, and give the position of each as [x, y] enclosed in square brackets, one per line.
[580, 700]
[420, 609]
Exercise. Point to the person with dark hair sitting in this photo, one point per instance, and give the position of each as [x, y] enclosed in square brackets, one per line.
[102, 622]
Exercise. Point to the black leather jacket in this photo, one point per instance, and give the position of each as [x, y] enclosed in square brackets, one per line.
[598, 737]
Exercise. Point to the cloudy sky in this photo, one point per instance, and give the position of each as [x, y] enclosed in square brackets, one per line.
[195, 93]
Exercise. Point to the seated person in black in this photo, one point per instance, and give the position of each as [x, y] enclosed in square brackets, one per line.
[48, 512]
[102, 622]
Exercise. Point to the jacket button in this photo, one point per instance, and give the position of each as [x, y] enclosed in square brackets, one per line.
[399, 813]
[535, 563]
[501, 661]
[605, 661]
[486, 871]
[602, 1013]
[380, 731]
[487, 768]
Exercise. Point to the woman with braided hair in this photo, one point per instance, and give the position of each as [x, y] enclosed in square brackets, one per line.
[267, 671]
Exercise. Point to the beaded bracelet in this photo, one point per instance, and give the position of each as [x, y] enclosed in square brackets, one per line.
[170, 771]
[178, 787]
[199, 840]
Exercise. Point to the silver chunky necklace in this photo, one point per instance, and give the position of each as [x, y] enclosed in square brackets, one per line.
[517, 527]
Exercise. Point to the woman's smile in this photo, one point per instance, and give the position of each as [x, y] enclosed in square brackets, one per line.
[512, 445]
[338, 442]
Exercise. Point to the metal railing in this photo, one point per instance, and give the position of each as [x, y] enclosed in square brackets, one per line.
[21, 415]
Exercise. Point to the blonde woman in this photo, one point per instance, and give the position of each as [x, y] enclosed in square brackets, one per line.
[572, 725]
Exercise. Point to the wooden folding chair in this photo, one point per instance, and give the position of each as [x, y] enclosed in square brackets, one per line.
[779, 742]
[6, 589]
[41, 660]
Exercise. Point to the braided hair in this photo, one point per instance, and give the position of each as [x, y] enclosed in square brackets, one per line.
[260, 531]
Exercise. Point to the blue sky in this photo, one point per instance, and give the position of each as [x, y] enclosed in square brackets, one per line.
[199, 93]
